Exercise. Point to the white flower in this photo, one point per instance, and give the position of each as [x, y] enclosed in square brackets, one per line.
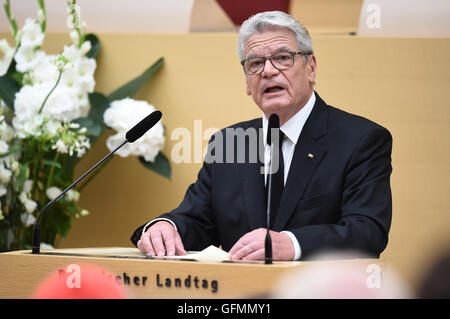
[6, 132]
[15, 168]
[27, 219]
[86, 68]
[84, 212]
[32, 35]
[30, 205]
[64, 105]
[122, 115]
[61, 147]
[46, 246]
[8, 53]
[41, 16]
[28, 58]
[28, 101]
[74, 37]
[3, 147]
[46, 70]
[73, 195]
[5, 174]
[52, 192]
[27, 186]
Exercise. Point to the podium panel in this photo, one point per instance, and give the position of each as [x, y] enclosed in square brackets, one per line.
[21, 272]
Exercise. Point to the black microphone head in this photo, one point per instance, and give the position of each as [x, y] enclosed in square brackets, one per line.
[274, 122]
[143, 126]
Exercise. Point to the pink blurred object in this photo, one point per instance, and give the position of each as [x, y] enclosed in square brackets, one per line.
[80, 281]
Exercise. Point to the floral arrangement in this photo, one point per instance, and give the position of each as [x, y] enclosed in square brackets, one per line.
[50, 117]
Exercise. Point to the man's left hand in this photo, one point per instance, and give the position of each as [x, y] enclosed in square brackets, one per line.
[251, 246]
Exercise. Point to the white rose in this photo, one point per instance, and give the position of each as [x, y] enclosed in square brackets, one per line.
[52, 192]
[123, 115]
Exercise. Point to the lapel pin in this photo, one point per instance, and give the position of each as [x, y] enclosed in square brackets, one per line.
[310, 155]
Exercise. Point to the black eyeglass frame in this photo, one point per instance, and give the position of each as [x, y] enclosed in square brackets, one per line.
[265, 58]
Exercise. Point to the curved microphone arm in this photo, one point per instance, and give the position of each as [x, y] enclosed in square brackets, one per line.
[36, 230]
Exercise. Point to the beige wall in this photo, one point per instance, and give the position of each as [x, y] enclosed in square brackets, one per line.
[400, 83]
[327, 16]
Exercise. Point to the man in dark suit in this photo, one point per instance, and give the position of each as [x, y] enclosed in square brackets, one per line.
[334, 171]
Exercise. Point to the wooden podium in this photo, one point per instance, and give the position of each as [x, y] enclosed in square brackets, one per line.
[21, 272]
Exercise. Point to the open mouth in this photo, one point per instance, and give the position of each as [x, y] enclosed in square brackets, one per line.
[273, 89]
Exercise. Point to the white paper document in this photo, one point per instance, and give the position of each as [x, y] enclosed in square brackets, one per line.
[211, 253]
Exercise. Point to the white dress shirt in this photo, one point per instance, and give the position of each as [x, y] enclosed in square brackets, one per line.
[291, 129]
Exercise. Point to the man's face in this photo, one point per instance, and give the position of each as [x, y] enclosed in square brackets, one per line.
[282, 92]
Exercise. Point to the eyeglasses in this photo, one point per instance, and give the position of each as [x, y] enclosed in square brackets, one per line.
[280, 61]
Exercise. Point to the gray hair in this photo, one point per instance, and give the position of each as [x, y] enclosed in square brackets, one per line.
[266, 20]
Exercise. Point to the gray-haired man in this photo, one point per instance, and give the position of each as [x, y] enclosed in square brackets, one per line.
[336, 166]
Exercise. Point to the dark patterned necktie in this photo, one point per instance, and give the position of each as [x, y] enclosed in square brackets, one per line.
[277, 182]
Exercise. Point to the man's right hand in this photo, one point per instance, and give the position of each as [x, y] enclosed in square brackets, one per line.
[161, 239]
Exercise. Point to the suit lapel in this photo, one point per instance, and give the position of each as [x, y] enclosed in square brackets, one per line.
[308, 154]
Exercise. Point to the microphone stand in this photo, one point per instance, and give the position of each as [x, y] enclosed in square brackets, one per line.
[268, 240]
[36, 230]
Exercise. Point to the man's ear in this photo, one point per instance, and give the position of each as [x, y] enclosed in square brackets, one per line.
[248, 89]
[312, 65]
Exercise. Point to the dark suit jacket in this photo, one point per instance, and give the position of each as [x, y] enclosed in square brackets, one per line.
[338, 199]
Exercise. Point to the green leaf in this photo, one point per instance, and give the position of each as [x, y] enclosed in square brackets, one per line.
[8, 89]
[99, 104]
[93, 128]
[22, 176]
[160, 166]
[95, 45]
[51, 163]
[71, 208]
[132, 87]
[62, 222]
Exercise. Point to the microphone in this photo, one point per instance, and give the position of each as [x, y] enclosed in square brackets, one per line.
[132, 135]
[274, 123]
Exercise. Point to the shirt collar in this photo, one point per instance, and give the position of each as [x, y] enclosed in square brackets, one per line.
[293, 127]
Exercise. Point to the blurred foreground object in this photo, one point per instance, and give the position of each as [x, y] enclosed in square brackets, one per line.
[436, 282]
[80, 281]
[405, 18]
[334, 276]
